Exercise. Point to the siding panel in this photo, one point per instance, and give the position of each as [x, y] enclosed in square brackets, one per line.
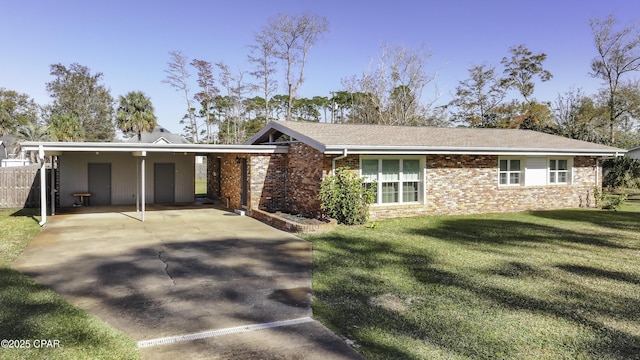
[536, 171]
[125, 173]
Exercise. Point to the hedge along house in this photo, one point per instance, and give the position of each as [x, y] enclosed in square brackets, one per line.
[417, 170]
[125, 173]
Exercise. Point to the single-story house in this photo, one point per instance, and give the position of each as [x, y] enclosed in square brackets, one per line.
[417, 170]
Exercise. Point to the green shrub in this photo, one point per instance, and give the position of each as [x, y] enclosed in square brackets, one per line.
[345, 197]
[609, 201]
[621, 172]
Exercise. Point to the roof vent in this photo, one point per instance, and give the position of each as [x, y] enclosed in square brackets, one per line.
[161, 130]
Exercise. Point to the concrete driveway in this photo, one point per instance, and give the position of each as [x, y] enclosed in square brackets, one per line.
[183, 272]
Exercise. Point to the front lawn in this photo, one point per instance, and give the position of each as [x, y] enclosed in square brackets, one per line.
[547, 284]
[30, 312]
[201, 187]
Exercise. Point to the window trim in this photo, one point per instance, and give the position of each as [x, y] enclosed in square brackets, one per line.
[521, 180]
[568, 171]
[401, 179]
[524, 167]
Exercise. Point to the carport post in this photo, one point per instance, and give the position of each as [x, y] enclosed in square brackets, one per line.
[144, 153]
[137, 186]
[43, 186]
[53, 189]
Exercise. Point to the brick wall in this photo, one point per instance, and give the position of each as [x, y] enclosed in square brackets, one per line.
[465, 184]
[455, 184]
[230, 187]
[266, 180]
[304, 174]
[213, 177]
[268, 187]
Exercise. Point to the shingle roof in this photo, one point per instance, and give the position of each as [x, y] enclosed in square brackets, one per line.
[330, 137]
[158, 133]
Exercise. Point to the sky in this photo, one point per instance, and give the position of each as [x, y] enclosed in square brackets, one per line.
[129, 41]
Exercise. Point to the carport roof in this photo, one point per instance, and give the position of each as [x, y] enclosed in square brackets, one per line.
[56, 148]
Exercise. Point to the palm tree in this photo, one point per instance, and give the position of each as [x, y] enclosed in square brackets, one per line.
[33, 132]
[135, 113]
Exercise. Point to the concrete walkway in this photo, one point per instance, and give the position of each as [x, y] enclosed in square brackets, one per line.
[182, 272]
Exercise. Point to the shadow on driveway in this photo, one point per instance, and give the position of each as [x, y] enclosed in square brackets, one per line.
[182, 272]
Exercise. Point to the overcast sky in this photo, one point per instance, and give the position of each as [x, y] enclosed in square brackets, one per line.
[128, 41]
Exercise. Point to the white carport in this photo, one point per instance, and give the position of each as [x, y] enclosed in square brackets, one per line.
[47, 151]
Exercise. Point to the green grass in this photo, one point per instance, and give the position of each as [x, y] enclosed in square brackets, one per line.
[201, 187]
[532, 285]
[29, 311]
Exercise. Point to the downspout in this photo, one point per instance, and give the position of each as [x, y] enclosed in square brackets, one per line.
[333, 162]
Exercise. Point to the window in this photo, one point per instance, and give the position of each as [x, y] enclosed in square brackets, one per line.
[534, 170]
[370, 172]
[558, 171]
[510, 172]
[397, 180]
[410, 180]
[390, 177]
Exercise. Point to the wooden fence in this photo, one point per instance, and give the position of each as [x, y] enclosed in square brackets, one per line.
[20, 186]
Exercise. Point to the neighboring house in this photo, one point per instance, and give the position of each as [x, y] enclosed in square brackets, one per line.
[9, 152]
[3, 151]
[417, 170]
[634, 153]
[8, 147]
[159, 135]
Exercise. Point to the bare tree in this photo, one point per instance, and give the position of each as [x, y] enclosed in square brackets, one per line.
[178, 77]
[618, 55]
[232, 131]
[206, 95]
[291, 39]
[390, 92]
[262, 54]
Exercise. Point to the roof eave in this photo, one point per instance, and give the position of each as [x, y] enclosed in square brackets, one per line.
[405, 150]
[57, 147]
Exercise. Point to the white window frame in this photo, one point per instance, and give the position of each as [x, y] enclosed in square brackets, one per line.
[568, 171]
[401, 180]
[509, 171]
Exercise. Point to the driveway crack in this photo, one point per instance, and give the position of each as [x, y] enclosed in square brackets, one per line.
[166, 267]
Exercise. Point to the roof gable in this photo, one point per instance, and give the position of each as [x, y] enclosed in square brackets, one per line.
[335, 138]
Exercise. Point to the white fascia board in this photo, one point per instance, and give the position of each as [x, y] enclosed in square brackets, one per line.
[388, 150]
[158, 148]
